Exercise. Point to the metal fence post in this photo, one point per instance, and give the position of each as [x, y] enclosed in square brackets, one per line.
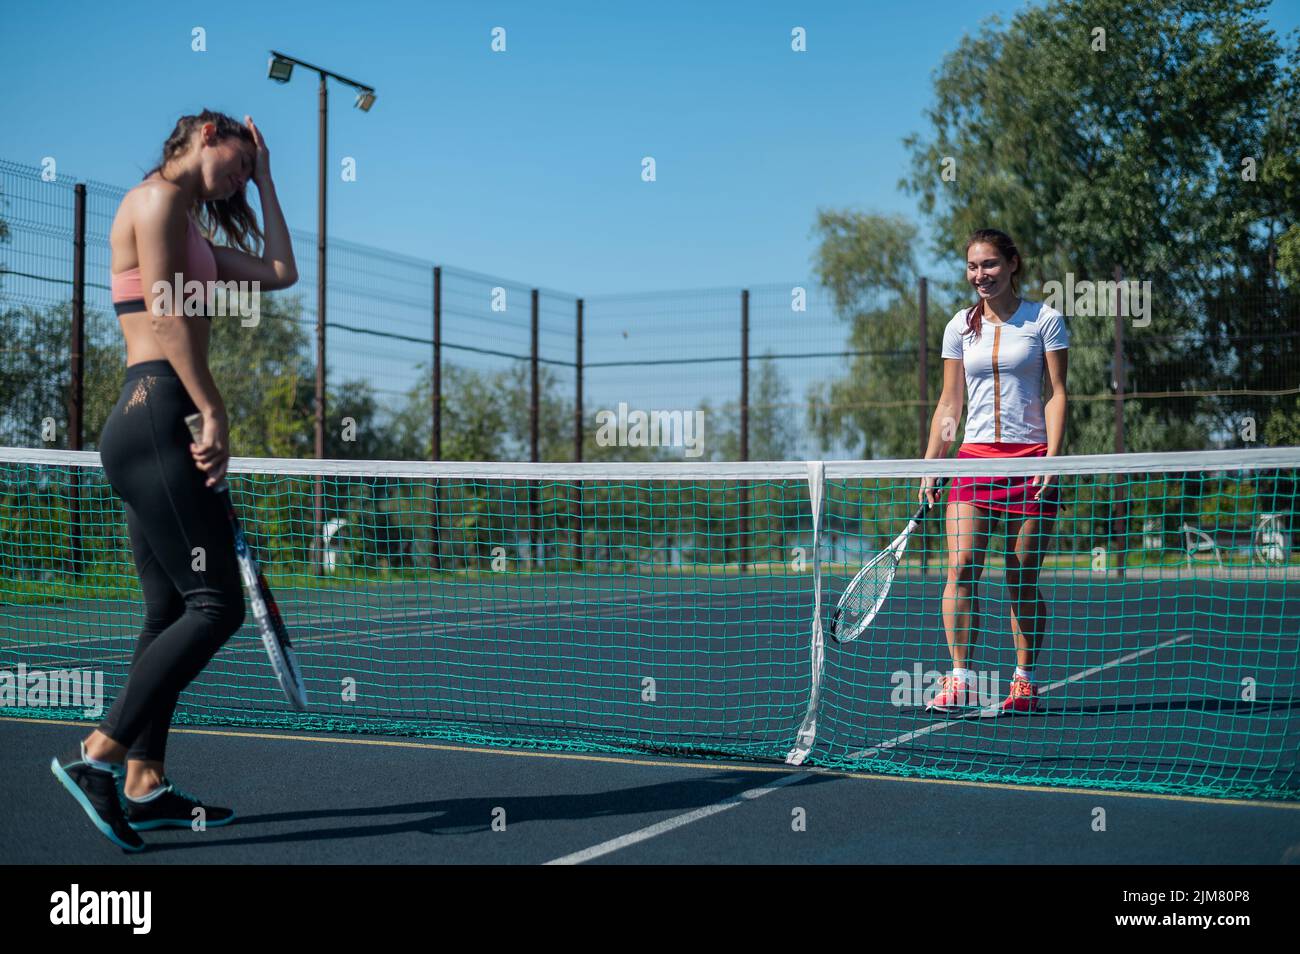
[77, 367]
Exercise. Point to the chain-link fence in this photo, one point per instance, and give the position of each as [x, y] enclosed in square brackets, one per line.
[429, 361]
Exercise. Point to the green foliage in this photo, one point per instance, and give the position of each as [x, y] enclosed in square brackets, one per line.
[35, 366]
[485, 415]
[771, 420]
[1282, 429]
[868, 264]
[266, 378]
[1132, 156]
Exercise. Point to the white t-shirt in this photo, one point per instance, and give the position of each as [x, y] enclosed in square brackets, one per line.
[1004, 372]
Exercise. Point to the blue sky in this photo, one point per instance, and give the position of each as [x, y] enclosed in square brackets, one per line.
[524, 164]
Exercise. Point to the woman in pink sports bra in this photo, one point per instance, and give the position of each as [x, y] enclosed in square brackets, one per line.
[997, 354]
[164, 479]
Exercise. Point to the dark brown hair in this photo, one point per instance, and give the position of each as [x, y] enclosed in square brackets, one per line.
[1007, 249]
[233, 216]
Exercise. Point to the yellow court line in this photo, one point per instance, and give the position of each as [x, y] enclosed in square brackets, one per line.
[710, 766]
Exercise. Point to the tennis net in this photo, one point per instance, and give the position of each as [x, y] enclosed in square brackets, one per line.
[679, 608]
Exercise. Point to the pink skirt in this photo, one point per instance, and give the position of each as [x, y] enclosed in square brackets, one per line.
[1011, 495]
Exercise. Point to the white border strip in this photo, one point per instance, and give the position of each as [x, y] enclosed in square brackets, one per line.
[807, 733]
[1264, 458]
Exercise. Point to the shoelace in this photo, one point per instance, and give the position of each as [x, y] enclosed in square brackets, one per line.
[950, 686]
[180, 794]
[1021, 687]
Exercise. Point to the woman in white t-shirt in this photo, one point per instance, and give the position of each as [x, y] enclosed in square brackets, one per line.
[998, 351]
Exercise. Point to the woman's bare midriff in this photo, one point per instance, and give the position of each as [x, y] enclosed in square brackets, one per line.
[142, 344]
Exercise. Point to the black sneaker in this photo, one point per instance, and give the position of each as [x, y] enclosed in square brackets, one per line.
[172, 808]
[95, 790]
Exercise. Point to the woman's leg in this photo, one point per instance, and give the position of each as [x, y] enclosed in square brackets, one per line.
[163, 606]
[184, 551]
[1030, 538]
[968, 533]
[213, 611]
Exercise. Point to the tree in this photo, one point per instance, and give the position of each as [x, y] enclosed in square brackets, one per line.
[771, 427]
[266, 378]
[485, 415]
[1282, 429]
[1131, 155]
[867, 262]
[33, 375]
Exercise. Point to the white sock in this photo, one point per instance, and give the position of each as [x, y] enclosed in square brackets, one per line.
[963, 675]
[97, 764]
[1025, 674]
[151, 796]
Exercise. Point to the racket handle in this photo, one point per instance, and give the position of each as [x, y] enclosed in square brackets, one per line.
[939, 485]
[195, 423]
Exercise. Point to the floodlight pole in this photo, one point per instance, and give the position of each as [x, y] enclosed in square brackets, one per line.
[280, 70]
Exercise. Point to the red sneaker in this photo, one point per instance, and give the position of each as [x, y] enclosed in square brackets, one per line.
[954, 694]
[1023, 697]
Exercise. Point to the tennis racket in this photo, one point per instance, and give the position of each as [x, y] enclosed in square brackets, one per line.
[866, 592]
[270, 625]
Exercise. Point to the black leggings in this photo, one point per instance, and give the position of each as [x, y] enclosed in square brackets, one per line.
[175, 522]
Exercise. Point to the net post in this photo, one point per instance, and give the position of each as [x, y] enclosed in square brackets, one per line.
[435, 442]
[744, 424]
[77, 367]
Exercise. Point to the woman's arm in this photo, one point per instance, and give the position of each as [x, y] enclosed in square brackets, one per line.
[943, 426]
[276, 267]
[947, 413]
[1054, 411]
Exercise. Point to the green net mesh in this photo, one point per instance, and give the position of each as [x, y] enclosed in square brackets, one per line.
[670, 609]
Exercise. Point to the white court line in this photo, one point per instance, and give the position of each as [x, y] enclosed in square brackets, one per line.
[993, 711]
[678, 821]
[644, 834]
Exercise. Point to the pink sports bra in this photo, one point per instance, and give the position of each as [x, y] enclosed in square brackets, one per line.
[200, 266]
